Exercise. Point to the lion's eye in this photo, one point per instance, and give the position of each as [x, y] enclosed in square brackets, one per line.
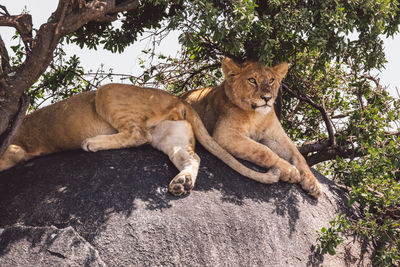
[271, 81]
[252, 80]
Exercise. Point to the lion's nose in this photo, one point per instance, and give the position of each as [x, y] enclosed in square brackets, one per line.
[266, 98]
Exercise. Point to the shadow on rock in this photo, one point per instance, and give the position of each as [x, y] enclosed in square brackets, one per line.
[81, 189]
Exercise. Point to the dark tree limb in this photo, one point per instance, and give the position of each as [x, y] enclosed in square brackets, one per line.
[5, 59]
[6, 136]
[318, 145]
[5, 11]
[322, 110]
[330, 154]
[278, 104]
[198, 71]
[392, 133]
[125, 6]
[320, 150]
[373, 79]
[95, 10]
[22, 23]
[81, 3]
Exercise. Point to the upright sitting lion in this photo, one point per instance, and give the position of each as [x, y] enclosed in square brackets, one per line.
[118, 116]
[240, 115]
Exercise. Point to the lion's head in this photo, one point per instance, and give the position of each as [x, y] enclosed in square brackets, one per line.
[252, 86]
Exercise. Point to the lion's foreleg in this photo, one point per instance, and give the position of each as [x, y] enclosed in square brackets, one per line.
[242, 146]
[281, 144]
[130, 137]
[175, 138]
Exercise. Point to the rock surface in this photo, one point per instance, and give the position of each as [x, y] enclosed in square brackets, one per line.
[112, 208]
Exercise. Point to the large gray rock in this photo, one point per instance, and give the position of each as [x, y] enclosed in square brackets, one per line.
[112, 208]
[46, 246]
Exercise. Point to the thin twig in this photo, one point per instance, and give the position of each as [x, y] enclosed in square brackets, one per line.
[198, 71]
[5, 13]
[23, 24]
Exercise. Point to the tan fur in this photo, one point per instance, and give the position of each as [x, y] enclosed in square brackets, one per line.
[240, 115]
[118, 116]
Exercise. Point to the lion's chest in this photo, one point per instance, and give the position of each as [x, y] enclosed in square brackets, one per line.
[259, 125]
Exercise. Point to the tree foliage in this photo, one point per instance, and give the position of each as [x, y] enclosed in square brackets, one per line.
[341, 116]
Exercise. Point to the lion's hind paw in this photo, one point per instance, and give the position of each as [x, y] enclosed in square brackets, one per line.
[311, 185]
[315, 189]
[181, 184]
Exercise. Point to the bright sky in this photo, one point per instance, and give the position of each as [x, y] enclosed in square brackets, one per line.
[127, 62]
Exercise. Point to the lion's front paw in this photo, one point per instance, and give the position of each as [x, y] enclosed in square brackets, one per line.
[311, 185]
[90, 145]
[289, 173]
[181, 184]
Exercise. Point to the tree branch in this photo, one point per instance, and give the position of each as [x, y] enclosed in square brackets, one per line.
[278, 104]
[392, 133]
[318, 145]
[6, 136]
[374, 79]
[64, 8]
[194, 73]
[81, 3]
[22, 23]
[5, 11]
[322, 151]
[332, 153]
[5, 59]
[95, 10]
[322, 110]
[125, 6]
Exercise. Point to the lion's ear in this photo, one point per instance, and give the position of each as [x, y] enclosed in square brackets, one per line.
[229, 67]
[281, 69]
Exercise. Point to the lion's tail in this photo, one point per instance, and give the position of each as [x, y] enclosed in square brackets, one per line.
[212, 146]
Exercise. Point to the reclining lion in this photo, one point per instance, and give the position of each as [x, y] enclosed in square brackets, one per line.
[119, 116]
[240, 115]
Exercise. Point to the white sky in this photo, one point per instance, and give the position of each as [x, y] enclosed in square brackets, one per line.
[127, 62]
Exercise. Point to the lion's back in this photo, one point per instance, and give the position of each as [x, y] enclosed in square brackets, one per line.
[61, 126]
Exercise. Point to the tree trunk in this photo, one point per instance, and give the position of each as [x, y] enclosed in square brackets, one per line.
[13, 101]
